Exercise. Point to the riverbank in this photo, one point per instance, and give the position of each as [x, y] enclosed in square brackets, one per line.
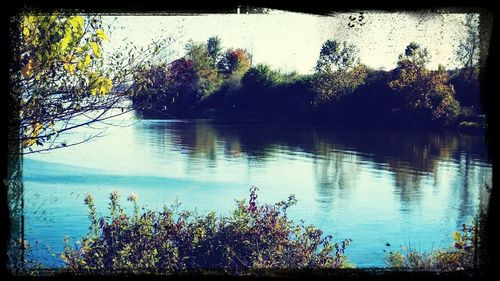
[478, 126]
[254, 239]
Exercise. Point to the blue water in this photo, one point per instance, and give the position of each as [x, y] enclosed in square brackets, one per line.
[406, 188]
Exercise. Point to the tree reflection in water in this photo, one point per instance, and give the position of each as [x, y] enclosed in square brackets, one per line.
[338, 155]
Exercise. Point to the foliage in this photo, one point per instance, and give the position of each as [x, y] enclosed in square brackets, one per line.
[161, 87]
[234, 62]
[338, 72]
[56, 73]
[180, 84]
[341, 89]
[151, 89]
[336, 55]
[214, 49]
[371, 103]
[202, 58]
[182, 79]
[332, 86]
[468, 53]
[61, 79]
[266, 93]
[414, 56]
[466, 85]
[428, 94]
[261, 76]
[468, 49]
[254, 236]
[462, 255]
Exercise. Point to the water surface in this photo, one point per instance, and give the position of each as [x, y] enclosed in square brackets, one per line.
[405, 188]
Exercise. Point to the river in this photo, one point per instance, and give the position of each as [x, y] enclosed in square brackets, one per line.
[377, 187]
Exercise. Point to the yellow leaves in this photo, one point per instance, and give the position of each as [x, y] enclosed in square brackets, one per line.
[26, 31]
[72, 32]
[100, 33]
[79, 65]
[93, 77]
[60, 46]
[84, 63]
[70, 67]
[443, 89]
[65, 41]
[96, 49]
[106, 86]
[93, 91]
[28, 143]
[76, 22]
[32, 135]
[75, 28]
[29, 22]
[99, 84]
[37, 128]
[456, 236]
[57, 41]
[27, 69]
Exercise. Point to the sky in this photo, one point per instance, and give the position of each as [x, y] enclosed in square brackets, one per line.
[292, 41]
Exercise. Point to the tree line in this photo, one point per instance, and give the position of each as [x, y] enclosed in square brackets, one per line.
[59, 81]
[211, 82]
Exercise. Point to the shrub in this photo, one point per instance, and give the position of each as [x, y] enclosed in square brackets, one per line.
[428, 94]
[253, 237]
[462, 255]
[333, 86]
[151, 89]
[260, 77]
[162, 87]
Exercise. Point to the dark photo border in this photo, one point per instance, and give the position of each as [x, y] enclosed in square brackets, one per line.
[12, 164]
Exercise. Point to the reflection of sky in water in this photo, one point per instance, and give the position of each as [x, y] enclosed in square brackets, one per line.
[373, 187]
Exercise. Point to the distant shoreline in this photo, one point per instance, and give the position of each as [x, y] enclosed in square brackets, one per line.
[301, 121]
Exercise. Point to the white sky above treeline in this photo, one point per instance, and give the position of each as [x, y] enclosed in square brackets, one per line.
[292, 41]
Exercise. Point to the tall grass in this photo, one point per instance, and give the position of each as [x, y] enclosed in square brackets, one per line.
[464, 254]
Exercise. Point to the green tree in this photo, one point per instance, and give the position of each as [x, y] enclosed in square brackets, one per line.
[214, 49]
[338, 72]
[59, 79]
[182, 83]
[261, 76]
[336, 55]
[182, 80]
[234, 62]
[468, 53]
[333, 86]
[161, 88]
[56, 74]
[414, 58]
[209, 78]
[428, 95]
[468, 49]
[150, 91]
